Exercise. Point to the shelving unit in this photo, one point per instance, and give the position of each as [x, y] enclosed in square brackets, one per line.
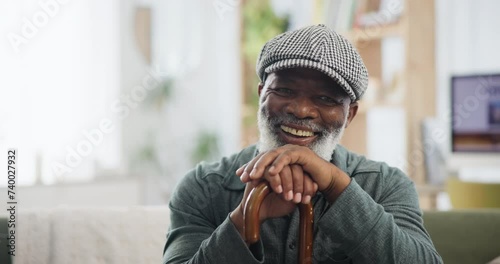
[375, 33]
[416, 29]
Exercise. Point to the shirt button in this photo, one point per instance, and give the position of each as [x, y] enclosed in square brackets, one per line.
[292, 246]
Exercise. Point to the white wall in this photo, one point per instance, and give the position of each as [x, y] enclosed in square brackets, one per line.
[207, 97]
[197, 44]
[59, 61]
[467, 42]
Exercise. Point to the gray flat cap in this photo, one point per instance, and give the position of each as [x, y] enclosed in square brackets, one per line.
[320, 48]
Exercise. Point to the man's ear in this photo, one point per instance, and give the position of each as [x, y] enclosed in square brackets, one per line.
[260, 87]
[353, 110]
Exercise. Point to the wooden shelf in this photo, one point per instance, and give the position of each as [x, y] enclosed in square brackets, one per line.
[375, 33]
[428, 195]
[364, 107]
[417, 80]
[427, 189]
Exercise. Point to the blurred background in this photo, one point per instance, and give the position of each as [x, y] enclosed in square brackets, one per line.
[110, 103]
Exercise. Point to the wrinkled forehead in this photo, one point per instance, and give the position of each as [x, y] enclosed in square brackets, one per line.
[313, 77]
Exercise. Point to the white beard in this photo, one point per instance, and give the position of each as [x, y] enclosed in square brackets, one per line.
[323, 146]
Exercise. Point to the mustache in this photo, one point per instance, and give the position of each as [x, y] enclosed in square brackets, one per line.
[276, 121]
[319, 129]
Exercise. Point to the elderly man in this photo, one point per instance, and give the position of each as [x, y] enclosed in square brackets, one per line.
[364, 211]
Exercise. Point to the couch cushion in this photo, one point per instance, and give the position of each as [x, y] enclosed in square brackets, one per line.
[465, 236]
[124, 235]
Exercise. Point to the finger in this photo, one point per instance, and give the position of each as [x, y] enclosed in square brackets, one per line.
[287, 183]
[298, 182]
[239, 171]
[262, 163]
[274, 182]
[291, 155]
[245, 175]
[308, 189]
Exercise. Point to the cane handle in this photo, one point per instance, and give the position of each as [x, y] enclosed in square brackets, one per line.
[252, 222]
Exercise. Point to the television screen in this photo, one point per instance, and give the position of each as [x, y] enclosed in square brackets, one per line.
[476, 113]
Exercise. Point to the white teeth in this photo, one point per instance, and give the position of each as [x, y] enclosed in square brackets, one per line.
[300, 133]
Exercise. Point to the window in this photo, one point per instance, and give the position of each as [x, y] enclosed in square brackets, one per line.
[60, 68]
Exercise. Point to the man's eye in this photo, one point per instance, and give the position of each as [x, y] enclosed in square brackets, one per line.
[283, 91]
[328, 100]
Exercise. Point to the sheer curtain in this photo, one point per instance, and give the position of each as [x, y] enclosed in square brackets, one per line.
[60, 77]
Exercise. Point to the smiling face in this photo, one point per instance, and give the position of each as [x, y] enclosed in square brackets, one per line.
[303, 107]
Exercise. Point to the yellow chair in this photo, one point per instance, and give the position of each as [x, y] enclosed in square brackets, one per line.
[473, 194]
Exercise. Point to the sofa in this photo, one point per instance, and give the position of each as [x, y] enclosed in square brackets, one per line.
[137, 235]
[77, 235]
[465, 236]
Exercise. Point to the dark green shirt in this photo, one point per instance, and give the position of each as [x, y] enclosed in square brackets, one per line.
[376, 219]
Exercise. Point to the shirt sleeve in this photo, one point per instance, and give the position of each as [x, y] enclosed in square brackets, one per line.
[389, 230]
[193, 236]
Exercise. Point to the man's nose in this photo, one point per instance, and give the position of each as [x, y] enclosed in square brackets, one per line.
[302, 108]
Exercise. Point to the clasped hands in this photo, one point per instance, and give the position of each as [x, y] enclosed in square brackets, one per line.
[295, 173]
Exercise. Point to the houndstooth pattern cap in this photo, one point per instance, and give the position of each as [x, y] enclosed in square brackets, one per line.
[316, 47]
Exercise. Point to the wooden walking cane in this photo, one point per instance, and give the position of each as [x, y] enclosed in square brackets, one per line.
[252, 222]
